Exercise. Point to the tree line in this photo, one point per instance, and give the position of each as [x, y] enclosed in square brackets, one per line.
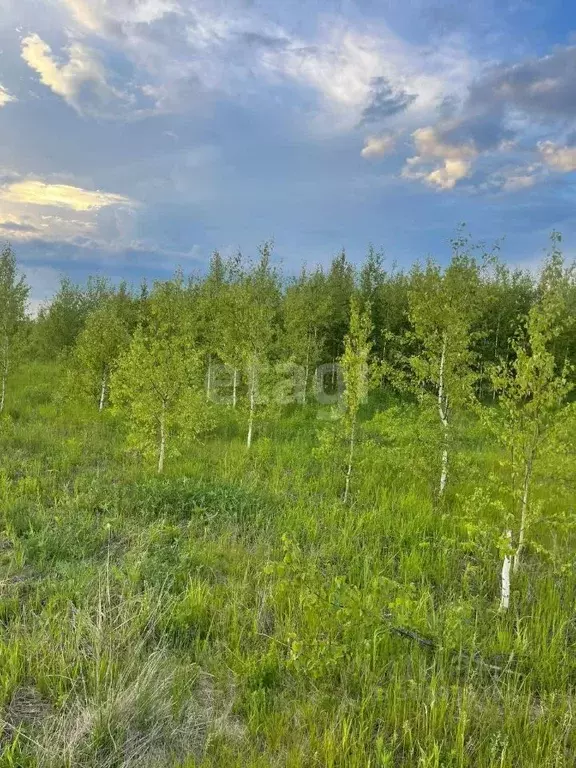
[454, 339]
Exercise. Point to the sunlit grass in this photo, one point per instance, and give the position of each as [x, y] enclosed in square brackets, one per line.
[235, 613]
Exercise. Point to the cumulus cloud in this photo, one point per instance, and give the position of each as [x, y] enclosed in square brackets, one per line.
[437, 162]
[558, 158]
[32, 209]
[344, 76]
[5, 96]
[507, 109]
[377, 146]
[59, 195]
[81, 81]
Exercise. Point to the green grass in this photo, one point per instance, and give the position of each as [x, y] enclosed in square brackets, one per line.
[234, 613]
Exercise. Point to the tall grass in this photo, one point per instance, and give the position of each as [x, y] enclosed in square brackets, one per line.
[235, 613]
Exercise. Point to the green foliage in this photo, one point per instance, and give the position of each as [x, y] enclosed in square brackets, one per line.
[533, 391]
[234, 612]
[304, 323]
[60, 322]
[13, 298]
[105, 336]
[355, 361]
[154, 387]
[443, 307]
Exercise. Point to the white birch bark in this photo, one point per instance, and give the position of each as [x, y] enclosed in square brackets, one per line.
[252, 406]
[443, 413]
[102, 392]
[350, 458]
[505, 581]
[162, 451]
[524, 513]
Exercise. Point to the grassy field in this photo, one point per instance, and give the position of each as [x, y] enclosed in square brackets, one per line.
[234, 612]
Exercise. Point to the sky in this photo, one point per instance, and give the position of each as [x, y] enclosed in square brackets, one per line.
[137, 136]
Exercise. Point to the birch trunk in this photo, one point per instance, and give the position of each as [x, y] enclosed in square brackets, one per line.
[102, 393]
[524, 513]
[252, 407]
[443, 413]
[350, 457]
[162, 451]
[505, 584]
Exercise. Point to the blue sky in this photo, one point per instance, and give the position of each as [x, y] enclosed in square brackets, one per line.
[139, 135]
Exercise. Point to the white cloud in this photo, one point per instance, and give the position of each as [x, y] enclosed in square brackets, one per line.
[438, 163]
[183, 49]
[107, 15]
[343, 63]
[5, 96]
[32, 209]
[377, 146]
[86, 14]
[81, 81]
[59, 195]
[558, 158]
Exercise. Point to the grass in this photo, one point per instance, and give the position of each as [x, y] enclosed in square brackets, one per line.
[234, 613]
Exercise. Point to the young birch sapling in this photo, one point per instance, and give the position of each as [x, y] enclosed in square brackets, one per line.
[532, 390]
[157, 385]
[443, 306]
[105, 335]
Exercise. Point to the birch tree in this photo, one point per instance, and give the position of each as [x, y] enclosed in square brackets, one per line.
[105, 335]
[157, 384]
[356, 373]
[533, 389]
[13, 297]
[152, 388]
[258, 313]
[443, 306]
